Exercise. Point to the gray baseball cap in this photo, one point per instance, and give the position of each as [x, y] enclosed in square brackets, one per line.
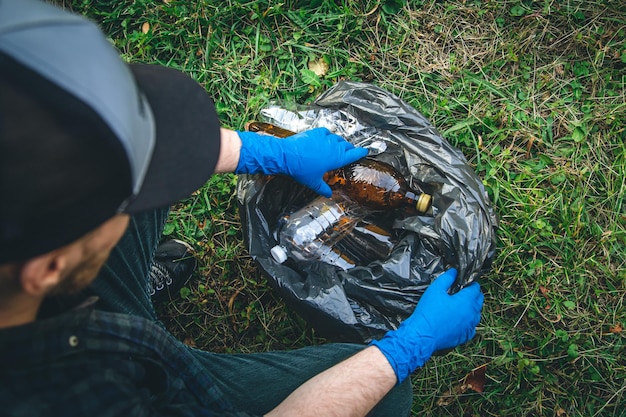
[84, 135]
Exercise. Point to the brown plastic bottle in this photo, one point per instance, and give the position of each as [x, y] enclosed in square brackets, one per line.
[268, 129]
[377, 185]
[366, 242]
[372, 183]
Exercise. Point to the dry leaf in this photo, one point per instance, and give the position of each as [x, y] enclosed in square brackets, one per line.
[529, 145]
[231, 301]
[145, 28]
[544, 291]
[559, 69]
[559, 412]
[319, 67]
[190, 342]
[450, 396]
[476, 379]
[618, 328]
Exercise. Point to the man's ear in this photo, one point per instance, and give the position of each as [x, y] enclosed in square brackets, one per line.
[42, 273]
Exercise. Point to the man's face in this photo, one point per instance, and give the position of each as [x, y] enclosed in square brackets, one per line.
[89, 253]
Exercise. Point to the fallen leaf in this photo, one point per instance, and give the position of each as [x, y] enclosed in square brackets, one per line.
[530, 145]
[190, 342]
[476, 379]
[544, 291]
[559, 69]
[231, 301]
[448, 397]
[559, 412]
[618, 328]
[145, 28]
[319, 67]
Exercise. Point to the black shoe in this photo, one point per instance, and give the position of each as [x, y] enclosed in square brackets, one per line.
[170, 270]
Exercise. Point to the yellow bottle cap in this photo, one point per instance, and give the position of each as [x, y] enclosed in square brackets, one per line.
[423, 203]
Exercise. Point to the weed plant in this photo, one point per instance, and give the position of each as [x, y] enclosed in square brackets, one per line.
[533, 92]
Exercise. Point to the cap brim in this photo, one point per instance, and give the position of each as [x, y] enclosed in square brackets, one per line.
[187, 137]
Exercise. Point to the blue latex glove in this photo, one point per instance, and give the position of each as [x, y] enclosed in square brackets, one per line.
[305, 157]
[440, 321]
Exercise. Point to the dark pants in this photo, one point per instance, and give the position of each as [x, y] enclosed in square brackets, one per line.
[254, 382]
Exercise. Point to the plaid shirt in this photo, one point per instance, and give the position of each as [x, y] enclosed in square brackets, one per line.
[89, 363]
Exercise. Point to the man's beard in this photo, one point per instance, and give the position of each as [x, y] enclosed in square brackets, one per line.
[80, 277]
[70, 285]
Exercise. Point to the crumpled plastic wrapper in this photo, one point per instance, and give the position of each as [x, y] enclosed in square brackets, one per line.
[364, 302]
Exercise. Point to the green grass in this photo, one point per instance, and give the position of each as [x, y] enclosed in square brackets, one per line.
[533, 92]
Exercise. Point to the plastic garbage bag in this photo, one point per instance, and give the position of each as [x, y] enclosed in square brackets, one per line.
[366, 301]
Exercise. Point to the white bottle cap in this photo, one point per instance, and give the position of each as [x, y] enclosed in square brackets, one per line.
[279, 254]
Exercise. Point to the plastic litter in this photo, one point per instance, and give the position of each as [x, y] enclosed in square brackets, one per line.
[312, 232]
[365, 301]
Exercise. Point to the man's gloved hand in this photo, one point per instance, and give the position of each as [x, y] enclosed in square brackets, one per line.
[440, 321]
[305, 157]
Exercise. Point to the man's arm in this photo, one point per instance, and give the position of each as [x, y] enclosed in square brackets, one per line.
[353, 387]
[305, 156]
[350, 388]
[230, 149]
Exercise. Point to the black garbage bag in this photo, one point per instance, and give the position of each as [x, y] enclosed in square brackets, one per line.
[364, 302]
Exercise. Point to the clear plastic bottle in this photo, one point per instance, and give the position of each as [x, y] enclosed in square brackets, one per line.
[312, 232]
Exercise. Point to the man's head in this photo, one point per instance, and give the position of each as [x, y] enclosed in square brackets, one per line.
[84, 137]
[64, 270]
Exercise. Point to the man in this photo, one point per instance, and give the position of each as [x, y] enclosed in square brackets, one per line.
[92, 151]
